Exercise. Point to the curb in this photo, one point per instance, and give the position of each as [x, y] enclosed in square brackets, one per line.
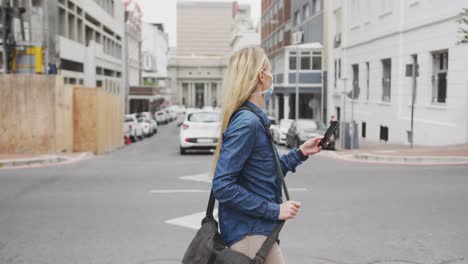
[412, 159]
[399, 160]
[43, 160]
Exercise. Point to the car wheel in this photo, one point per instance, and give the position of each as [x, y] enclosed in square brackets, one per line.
[182, 151]
[156, 131]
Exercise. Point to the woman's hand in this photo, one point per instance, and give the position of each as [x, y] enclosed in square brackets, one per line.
[288, 210]
[311, 146]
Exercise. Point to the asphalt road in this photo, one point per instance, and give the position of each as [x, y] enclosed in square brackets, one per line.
[114, 208]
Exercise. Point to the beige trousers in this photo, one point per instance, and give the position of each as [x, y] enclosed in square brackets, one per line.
[249, 246]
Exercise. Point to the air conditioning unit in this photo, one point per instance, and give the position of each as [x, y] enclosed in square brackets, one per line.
[337, 40]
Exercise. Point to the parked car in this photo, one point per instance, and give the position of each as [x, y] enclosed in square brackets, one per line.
[199, 130]
[303, 129]
[161, 117]
[132, 128]
[280, 131]
[272, 120]
[150, 120]
[168, 115]
[145, 126]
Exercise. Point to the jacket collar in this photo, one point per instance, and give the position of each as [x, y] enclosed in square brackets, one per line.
[259, 111]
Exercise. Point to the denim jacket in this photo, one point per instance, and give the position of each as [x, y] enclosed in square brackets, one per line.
[246, 182]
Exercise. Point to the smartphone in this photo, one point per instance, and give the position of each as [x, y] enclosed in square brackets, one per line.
[331, 129]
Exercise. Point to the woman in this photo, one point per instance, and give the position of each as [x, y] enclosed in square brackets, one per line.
[246, 182]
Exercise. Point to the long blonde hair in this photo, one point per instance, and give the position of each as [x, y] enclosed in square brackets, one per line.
[239, 83]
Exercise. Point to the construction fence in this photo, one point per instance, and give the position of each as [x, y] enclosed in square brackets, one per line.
[39, 114]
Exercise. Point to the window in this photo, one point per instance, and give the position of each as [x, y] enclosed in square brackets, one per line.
[292, 60]
[317, 61]
[335, 70]
[305, 11]
[280, 4]
[386, 79]
[297, 18]
[355, 87]
[339, 68]
[317, 6]
[367, 80]
[439, 76]
[305, 60]
[281, 35]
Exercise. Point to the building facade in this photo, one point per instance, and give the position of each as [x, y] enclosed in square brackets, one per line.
[374, 48]
[292, 35]
[243, 32]
[89, 47]
[153, 93]
[197, 66]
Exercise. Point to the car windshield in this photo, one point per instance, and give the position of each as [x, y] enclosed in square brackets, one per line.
[310, 125]
[128, 119]
[205, 117]
[141, 120]
[160, 114]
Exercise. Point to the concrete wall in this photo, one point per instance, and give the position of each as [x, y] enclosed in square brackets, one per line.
[35, 114]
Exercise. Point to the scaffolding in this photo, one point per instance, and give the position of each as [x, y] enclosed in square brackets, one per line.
[23, 36]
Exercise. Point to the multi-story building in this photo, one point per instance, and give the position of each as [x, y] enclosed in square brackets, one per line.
[132, 48]
[243, 32]
[89, 47]
[385, 53]
[153, 92]
[155, 54]
[79, 39]
[197, 68]
[292, 35]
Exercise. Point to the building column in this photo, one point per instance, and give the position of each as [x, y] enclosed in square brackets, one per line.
[205, 94]
[194, 96]
[286, 106]
[189, 94]
[209, 102]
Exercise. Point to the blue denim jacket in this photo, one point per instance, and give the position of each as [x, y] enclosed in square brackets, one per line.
[246, 182]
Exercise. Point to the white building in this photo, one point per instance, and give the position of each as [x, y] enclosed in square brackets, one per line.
[155, 49]
[197, 68]
[371, 43]
[90, 42]
[133, 39]
[243, 32]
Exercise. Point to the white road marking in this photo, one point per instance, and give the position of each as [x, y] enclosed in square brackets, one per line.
[202, 177]
[179, 191]
[192, 221]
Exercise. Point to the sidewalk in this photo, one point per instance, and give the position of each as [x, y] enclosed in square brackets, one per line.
[376, 152]
[31, 160]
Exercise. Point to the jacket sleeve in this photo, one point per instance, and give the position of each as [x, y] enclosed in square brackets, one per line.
[289, 161]
[237, 146]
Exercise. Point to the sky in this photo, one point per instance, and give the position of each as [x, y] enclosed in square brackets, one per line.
[164, 11]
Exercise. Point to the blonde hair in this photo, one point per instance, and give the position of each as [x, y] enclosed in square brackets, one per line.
[239, 83]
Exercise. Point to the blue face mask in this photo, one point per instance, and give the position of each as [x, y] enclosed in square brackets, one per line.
[269, 92]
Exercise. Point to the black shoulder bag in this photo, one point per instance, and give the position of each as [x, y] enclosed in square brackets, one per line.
[208, 247]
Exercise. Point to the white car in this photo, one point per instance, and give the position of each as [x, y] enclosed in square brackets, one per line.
[146, 126]
[161, 117]
[279, 132]
[150, 120]
[199, 130]
[273, 125]
[132, 128]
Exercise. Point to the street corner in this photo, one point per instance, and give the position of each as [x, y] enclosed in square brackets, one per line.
[36, 161]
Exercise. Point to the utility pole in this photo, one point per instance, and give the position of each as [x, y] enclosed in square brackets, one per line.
[298, 58]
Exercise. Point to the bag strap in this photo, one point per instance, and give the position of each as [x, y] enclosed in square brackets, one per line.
[265, 248]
